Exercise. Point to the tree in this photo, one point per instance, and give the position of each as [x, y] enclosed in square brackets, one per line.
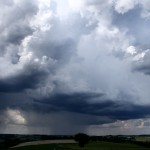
[82, 139]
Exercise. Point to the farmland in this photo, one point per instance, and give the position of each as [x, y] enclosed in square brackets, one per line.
[64, 142]
[142, 138]
[91, 146]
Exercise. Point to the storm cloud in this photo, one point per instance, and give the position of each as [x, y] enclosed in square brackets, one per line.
[74, 66]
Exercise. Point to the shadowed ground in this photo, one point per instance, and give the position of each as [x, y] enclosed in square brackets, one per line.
[45, 142]
[90, 146]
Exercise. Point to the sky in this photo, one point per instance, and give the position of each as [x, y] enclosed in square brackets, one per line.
[69, 66]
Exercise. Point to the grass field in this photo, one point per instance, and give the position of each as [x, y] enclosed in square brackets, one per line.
[90, 146]
[143, 138]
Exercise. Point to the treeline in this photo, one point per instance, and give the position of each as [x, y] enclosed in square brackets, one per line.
[10, 140]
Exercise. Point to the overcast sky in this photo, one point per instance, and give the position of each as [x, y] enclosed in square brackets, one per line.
[69, 66]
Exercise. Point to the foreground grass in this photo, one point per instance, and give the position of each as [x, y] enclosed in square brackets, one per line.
[90, 146]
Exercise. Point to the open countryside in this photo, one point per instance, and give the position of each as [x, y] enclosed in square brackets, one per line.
[90, 146]
[49, 142]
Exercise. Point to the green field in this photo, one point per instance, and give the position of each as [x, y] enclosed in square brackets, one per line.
[143, 138]
[90, 146]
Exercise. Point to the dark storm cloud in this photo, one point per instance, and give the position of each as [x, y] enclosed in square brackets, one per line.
[58, 63]
[15, 25]
[14, 35]
[29, 78]
[78, 103]
[143, 68]
[82, 103]
[69, 102]
[17, 33]
[13, 100]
